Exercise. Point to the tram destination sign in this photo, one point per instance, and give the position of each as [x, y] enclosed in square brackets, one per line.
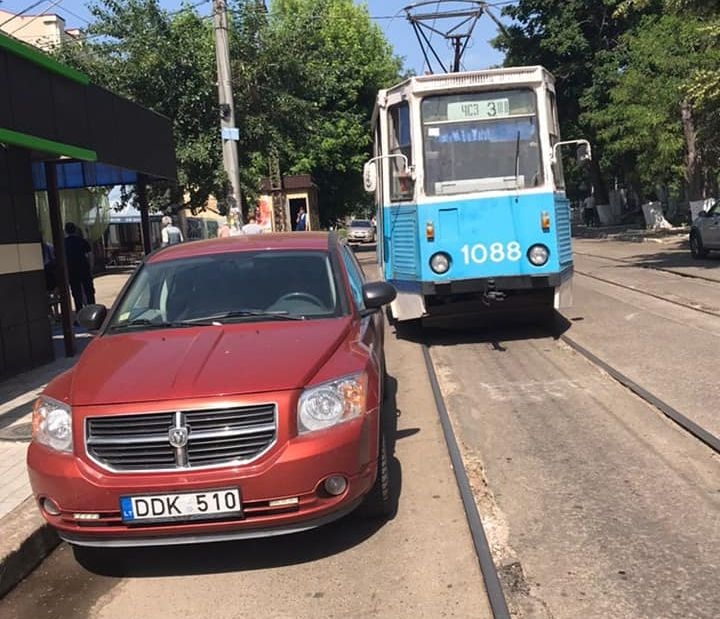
[473, 110]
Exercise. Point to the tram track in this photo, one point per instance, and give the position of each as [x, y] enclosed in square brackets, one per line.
[489, 570]
[696, 308]
[634, 263]
[495, 594]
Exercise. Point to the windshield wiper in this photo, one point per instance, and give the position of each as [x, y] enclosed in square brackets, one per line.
[145, 322]
[205, 321]
[243, 313]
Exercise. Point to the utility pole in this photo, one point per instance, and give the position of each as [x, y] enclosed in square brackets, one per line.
[228, 130]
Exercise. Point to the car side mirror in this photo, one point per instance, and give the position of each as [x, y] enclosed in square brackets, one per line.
[92, 316]
[377, 294]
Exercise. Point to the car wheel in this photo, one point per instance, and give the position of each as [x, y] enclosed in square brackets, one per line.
[697, 250]
[378, 503]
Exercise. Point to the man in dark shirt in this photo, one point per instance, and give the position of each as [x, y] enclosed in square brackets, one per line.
[77, 255]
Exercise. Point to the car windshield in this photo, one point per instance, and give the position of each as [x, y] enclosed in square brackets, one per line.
[361, 223]
[229, 287]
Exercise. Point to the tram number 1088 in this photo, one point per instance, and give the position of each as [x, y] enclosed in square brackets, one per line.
[495, 252]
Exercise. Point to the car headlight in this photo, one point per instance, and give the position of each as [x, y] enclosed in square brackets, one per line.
[440, 263]
[332, 403]
[538, 255]
[52, 424]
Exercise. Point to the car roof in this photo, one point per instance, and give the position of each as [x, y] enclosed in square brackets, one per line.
[318, 241]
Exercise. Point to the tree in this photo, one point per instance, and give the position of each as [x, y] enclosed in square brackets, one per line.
[575, 40]
[311, 90]
[649, 114]
[166, 62]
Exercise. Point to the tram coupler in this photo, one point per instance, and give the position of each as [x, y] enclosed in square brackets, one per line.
[491, 294]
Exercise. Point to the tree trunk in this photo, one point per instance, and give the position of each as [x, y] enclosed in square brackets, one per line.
[693, 164]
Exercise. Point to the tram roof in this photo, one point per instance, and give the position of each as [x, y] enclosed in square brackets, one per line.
[468, 79]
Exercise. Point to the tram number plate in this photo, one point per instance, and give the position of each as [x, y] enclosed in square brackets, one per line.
[181, 506]
[493, 252]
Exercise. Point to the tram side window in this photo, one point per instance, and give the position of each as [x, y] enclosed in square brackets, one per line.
[401, 184]
[554, 129]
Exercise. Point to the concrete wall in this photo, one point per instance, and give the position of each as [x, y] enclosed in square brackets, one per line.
[25, 331]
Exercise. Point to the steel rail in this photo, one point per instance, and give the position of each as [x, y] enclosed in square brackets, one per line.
[495, 594]
[702, 310]
[647, 266]
[700, 433]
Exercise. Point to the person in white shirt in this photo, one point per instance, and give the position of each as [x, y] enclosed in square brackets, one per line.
[171, 234]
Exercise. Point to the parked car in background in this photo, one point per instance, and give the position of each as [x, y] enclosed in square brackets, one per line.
[705, 232]
[361, 231]
[233, 390]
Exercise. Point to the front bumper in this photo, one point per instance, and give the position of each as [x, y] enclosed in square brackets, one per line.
[294, 469]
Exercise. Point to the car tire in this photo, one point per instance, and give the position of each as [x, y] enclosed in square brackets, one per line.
[697, 250]
[378, 503]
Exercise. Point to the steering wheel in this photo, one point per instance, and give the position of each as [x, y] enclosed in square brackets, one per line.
[300, 296]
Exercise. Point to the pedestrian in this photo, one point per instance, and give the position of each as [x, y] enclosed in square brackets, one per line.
[252, 226]
[171, 234]
[78, 255]
[224, 231]
[301, 222]
[590, 214]
[48, 254]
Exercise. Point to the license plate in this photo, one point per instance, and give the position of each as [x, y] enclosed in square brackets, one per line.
[181, 506]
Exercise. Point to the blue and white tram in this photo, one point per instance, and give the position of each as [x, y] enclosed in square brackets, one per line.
[472, 213]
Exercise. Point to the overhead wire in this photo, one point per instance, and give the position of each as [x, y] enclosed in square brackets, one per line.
[30, 19]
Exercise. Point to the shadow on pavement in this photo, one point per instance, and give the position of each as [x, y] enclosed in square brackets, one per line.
[479, 329]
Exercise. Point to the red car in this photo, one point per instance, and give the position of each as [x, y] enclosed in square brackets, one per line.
[233, 390]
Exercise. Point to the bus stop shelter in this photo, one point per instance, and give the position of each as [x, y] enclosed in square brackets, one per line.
[57, 131]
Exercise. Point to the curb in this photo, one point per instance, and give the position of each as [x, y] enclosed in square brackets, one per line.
[27, 540]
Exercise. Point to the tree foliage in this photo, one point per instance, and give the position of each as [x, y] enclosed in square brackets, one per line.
[320, 64]
[304, 77]
[639, 78]
[165, 62]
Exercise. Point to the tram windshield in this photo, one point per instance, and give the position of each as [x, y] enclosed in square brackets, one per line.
[484, 141]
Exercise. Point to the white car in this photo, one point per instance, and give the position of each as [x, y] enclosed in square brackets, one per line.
[362, 231]
[705, 232]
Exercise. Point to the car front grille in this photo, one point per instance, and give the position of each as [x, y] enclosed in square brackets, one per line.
[182, 439]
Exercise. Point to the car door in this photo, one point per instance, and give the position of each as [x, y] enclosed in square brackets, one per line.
[711, 228]
[372, 326]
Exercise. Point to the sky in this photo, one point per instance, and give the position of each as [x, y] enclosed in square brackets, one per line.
[387, 14]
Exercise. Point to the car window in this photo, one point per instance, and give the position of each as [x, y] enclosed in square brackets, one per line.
[290, 283]
[355, 275]
[361, 223]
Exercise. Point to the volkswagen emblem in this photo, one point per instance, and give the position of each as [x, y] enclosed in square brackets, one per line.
[178, 436]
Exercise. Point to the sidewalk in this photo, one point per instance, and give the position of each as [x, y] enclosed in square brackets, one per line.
[24, 538]
[632, 233]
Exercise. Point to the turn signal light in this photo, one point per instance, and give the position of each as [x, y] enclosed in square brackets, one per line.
[430, 231]
[545, 221]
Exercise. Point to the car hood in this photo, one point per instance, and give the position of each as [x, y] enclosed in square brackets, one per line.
[205, 361]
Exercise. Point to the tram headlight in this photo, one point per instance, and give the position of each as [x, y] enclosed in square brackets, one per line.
[440, 263]
[538, 255]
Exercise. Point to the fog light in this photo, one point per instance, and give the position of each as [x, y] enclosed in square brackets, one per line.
[49, 506]
[86, 516]
[335, 485]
